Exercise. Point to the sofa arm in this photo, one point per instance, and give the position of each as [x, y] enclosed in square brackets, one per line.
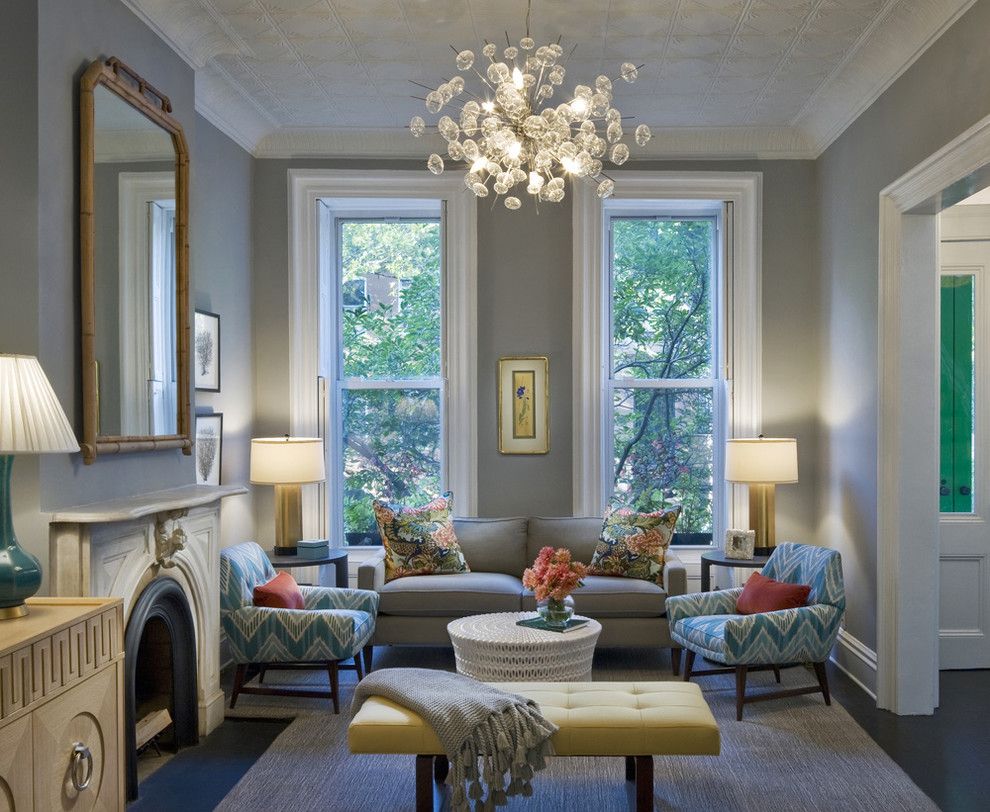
[697, 604]
[371, 573]
[674, 574]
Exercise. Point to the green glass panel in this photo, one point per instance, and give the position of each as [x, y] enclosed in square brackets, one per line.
[956, 400]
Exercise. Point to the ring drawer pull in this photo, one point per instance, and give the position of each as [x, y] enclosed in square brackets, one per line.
[81, 755]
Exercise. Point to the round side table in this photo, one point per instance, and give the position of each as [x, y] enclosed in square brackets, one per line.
[332, 567]
[493, 648]
[717, 558]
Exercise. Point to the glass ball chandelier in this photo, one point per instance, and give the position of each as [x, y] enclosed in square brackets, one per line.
[511, 136]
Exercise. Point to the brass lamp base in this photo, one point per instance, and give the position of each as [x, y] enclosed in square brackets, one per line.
[288, 518]
[11, 612]
[761, 517]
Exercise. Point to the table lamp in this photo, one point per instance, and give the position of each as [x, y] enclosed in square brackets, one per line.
[762, 463]
[31, 422]
[287, 462]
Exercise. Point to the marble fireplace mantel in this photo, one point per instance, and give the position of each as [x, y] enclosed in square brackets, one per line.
[116, 548]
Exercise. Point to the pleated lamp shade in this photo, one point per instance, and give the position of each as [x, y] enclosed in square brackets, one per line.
[31, 418]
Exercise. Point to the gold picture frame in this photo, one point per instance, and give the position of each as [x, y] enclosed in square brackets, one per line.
[523, 404]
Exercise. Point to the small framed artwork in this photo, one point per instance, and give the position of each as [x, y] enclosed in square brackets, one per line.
[209, 445]
[523, 405]
[740, 544]
[206, 351]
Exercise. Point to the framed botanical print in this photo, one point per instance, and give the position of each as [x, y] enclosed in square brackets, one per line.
[209, 444]
[523, 405]
[206, 351]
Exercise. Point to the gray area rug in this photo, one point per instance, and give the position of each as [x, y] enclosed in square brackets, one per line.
[790, 755]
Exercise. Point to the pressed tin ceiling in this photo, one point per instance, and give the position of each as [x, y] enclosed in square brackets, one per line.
[772, 78]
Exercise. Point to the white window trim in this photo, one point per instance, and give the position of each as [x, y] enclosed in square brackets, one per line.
[744, 191]
[307, 382]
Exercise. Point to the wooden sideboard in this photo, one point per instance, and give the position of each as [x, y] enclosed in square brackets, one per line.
[62, 706]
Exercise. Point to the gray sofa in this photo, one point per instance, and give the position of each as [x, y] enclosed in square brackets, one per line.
[417, 609]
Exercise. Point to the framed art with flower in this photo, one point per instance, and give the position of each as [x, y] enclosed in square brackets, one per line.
[523, 404]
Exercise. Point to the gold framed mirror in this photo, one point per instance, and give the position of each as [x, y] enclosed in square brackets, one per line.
[134, 258]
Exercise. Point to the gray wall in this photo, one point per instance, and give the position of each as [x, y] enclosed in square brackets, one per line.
[943, 93]
[39, 309]
[524, 296]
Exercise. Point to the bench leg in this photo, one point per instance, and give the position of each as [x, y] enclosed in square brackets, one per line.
[644, 782]
[424, 783]
[630, 768]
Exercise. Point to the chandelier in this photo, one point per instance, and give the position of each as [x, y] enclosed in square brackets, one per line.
[511, 136]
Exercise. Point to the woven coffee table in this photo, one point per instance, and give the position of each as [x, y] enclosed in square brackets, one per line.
[494, 649]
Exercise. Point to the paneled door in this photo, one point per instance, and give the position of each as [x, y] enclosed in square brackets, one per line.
[964, 490]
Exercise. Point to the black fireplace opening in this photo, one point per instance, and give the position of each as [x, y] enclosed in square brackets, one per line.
[160, 674]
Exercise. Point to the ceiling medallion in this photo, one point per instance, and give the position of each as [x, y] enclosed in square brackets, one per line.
[509, 133]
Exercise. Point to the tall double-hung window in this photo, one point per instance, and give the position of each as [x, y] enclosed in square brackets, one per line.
[664, 390]
[387, 409]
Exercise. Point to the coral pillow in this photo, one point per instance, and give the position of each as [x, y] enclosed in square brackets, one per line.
[762, 594]
[281, 592]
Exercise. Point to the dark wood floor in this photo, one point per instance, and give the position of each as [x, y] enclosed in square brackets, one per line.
[947, 755]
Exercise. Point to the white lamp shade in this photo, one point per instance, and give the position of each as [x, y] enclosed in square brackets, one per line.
[31, 418]
[287, 460]
[769, 460]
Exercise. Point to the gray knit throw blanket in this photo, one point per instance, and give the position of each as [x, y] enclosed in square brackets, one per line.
[473, 722]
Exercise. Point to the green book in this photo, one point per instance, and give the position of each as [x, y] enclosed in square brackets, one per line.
[540, 623]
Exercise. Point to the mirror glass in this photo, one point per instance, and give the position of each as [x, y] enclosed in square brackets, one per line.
[134, 270]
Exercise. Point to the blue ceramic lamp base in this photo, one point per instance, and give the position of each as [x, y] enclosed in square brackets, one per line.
[20, 572]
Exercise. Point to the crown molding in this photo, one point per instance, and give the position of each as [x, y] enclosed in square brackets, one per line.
[668, 143]
[886, 50]
[189, 29]
[223, 104]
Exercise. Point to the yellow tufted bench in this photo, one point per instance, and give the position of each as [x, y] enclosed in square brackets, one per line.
[637, 720]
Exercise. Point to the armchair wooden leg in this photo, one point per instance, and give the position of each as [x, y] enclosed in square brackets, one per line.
[358, 668]
[238, 682]
[334, 685]
[740, 690]
[262, 670]
[822, 675]
[776, 673]
[688, 664]
[368, 654]
[675, 660]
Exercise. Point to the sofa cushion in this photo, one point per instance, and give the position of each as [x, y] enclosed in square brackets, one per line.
[493, 545]
[607, 596]
[419, 540]
[451, 595]
[577, 534]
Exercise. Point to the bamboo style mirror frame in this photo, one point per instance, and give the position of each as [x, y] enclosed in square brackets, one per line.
[134, 256]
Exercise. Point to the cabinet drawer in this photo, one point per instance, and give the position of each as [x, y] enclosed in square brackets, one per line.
[16, 792]
[86, 715]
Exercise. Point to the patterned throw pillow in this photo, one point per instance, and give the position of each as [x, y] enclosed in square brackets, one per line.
[419, 540]
[633, 544]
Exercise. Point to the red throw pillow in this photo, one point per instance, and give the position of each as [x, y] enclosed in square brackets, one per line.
[762, 594]
[281, 592]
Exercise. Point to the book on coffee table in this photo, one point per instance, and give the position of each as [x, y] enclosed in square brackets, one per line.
[540, 623]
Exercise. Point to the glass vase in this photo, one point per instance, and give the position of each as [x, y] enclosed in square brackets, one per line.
[555, 613]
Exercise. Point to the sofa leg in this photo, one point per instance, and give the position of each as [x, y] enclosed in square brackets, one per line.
[238, 683]
[357, 667]
[688, 664]
[644, 783]
[675, 660]
[740, 690]
[368, 654]
[822, 675]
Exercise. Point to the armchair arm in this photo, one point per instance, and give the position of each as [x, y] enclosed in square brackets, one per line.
[328, 597]
[371, 573]
[263, 634]
[674, 574]
[804, 634]
[695, 604]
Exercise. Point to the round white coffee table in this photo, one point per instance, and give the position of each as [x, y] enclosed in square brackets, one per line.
[494, 649]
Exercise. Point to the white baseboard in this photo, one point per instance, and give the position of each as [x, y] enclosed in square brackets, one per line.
[857, 661]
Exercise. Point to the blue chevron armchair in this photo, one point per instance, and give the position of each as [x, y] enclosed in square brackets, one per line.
[335, 626]
[706, 623]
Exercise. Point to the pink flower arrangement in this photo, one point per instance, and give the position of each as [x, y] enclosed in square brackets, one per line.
[554, 575]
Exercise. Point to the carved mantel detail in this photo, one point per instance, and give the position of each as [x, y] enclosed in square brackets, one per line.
[170, 538]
